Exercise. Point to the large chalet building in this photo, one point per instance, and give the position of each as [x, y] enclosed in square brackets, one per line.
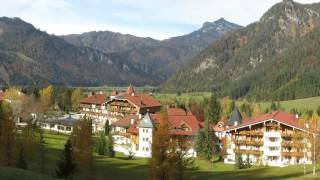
[133, 133]
[274, 139]
[101, 107]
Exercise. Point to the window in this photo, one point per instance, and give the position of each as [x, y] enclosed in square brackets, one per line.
[147, 139]
[146, 130]
[147, 149]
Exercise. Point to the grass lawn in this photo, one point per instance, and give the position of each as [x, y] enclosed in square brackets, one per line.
[120, 168]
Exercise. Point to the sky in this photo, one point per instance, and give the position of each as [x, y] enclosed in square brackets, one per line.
[159, 19]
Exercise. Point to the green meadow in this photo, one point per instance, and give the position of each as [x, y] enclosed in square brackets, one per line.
[120, 168]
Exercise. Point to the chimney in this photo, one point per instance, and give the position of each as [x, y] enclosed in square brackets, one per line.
[297, 116]
[132, 121]
[140, 116]
[236, 123]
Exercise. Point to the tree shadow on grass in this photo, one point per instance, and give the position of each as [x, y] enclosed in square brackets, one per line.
[262, 173]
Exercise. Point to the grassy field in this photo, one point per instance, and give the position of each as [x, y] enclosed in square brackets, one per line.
[120, 168]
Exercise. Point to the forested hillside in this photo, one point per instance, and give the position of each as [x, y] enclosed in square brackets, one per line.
[274, 58]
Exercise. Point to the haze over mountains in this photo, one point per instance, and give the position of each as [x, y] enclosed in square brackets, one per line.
[32, 57]
[275, 58]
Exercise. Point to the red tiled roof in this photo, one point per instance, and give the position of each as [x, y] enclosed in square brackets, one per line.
[95, 99]
[178, 112]
[141, 100]
[281, 116]
[126, 121]
[221, 125]
[175, 123]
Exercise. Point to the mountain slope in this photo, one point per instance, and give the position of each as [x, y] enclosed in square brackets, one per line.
[166, 56]
[257, 61]
[29, 56]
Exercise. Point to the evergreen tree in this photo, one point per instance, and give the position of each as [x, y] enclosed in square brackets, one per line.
[101, 144]
[66, 166]
[107, 128]
[21, 163]
[214, 110]
[207, 146]
[110, 150]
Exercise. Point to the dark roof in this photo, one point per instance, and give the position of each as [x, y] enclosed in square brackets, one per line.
[235, 117]
[66, 121]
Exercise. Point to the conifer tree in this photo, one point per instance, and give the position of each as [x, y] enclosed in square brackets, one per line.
[214, 110]
[107, 128]
[110, 150]
[21, 163]
[66, 166]
[101, 144]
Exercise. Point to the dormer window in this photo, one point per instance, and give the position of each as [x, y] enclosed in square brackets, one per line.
[184, 127]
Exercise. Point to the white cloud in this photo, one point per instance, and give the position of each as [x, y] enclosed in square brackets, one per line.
[155, 18]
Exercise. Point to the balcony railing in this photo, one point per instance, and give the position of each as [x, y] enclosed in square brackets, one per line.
[252, 133]
[242, 151]
[249, 142]
[294, 154]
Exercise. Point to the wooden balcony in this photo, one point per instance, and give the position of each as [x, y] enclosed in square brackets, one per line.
[127, 135]
[292, 154]
[242, 151]
[251, 133]
[292, 144]
[249, 142]
[292, 134]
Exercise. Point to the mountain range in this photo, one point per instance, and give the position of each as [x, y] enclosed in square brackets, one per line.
[275, 58]
[29, 56]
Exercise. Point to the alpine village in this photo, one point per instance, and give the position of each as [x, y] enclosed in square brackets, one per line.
[225, 101]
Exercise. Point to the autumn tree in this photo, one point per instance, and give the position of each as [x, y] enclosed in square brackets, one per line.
[7, 135]
[168, 160]
[47, 97]
[66, 166]
[159, 166]
[197, 109]
[256, 111]
[76, 97]
[81, 139]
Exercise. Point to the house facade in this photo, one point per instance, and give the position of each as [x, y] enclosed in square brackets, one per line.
[102, 107]
[274, 139]
[134, 133]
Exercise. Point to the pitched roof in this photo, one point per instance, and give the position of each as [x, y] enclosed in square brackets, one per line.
[126, 121]
[235, 117]
[141, 100]
[176, 122]
[178, 112]
[146, 122]
[280, 116]
[97, 99]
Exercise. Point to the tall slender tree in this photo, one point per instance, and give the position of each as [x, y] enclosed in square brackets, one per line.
[66, 166]
[214, 109]
[107, 128]
[7, 135]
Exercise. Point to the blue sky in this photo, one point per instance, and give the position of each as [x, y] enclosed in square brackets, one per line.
[159, 19]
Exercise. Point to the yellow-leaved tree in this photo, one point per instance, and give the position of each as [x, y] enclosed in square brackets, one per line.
[75, 99]
[46, 97]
